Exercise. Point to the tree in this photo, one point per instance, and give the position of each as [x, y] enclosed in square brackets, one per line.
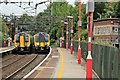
[117, 7]
[1, 34]
[59, 11]
[25, 19]
[109, 10]
[99, 9]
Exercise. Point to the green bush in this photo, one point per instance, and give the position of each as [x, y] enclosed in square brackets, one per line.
[52, 41]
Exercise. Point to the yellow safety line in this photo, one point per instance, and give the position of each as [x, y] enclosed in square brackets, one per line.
[61, 65]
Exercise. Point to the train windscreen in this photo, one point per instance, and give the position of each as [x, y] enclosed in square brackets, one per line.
[37, 38]
[41, 38]
[17, 38]
[26, 38]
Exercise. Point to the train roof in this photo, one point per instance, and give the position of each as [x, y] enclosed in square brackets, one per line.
[21, 33]
[44, 33]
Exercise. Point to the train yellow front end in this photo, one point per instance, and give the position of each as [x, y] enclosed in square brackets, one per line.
[22, 43]
[41, 42]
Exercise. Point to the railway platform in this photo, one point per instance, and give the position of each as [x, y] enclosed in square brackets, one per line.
[5, 49]
[67, 66]
[61, 64]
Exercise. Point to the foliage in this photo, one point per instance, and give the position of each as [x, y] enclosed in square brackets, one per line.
[107, 10]
[1, 35]
[59, 11]
[25, 19]
[2, 30]
[117, 11]
[1, 24]
[63, 9]
[99, 9]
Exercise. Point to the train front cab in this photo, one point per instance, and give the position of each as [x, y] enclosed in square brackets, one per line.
[22, 43]
[39, 43]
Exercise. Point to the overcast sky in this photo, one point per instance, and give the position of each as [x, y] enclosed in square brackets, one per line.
[14, 8]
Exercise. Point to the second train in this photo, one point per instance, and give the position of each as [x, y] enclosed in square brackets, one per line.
[41, 42]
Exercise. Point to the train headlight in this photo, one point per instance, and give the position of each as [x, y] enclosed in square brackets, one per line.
[37, 44]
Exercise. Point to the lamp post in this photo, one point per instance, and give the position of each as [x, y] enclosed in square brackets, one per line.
[90, 10]
[79, 28]
[11, 24]
[71, 32]
[66, 23]
[5, 33]
[62, 34]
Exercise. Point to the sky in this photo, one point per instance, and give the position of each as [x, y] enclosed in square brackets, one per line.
[16, 10]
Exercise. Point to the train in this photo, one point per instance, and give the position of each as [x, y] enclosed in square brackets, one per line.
[41, 42]
[22, 43]
[25, 43]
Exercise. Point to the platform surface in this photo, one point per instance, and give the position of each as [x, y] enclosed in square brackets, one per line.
[4, 49]
[63, 65]
[67, 66]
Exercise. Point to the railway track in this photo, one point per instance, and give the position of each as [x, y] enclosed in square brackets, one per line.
[11, 60]
[17, 66]
[6, 58]
[30, 67]
[14, 67]
[2, 60]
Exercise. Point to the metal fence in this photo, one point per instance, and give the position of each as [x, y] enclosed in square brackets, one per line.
[106, 60]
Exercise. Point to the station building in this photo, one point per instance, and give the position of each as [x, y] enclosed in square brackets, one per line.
[107, 30]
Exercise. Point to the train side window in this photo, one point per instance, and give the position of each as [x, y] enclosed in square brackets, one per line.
[26, 38]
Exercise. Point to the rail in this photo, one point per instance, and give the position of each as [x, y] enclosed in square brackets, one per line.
[26, 76]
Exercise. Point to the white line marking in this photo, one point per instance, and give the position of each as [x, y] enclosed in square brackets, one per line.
[6, 50]
[55, 56]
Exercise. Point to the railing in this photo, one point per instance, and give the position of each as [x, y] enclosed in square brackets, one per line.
[106, 60]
